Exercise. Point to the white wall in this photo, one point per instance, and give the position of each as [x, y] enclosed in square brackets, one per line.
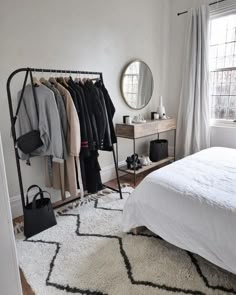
[219, 136]
[223, 136]
[9, 271]
[100, 35]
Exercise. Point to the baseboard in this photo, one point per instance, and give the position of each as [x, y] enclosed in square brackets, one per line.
[107, 173]
[16, 208]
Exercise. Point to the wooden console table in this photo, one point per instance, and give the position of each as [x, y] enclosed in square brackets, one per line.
[136, 131]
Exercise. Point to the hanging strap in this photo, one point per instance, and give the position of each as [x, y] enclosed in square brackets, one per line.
[41, 194]
[34, 94]
[22, 94]
[30, 188]
[21, 98]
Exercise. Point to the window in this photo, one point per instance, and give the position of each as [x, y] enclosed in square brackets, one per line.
[223, 68]
[131, 80]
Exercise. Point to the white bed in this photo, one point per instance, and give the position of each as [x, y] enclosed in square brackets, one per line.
[191, 204]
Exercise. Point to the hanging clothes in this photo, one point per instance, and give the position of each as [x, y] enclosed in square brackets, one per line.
[111, 112]
[61, 110]
[86, 132]
[64, 175]
[75, 120]
[50, 179]
[41, 114]
[92, 173]
[84, 108]
[89, 163]
[107, 135]
[96, 113]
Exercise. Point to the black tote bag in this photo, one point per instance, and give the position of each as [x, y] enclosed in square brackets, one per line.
[39, 214]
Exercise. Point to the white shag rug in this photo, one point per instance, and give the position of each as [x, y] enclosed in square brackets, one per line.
[86, 253]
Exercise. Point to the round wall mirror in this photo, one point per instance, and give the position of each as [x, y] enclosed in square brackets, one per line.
[137, 84]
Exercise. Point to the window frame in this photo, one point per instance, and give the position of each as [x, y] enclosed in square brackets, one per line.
[222, 122]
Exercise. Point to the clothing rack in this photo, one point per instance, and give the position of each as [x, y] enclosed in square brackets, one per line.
[210, 4]
[13, 130]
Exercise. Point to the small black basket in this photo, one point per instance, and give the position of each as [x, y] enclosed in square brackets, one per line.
[39, 214]
[158, 150]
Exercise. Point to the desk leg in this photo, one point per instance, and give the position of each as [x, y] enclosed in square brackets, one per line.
[116, 168]
[134, 169]
[117, 157]
[174, 144]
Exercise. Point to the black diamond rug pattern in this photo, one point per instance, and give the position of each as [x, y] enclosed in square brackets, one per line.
[87, 253]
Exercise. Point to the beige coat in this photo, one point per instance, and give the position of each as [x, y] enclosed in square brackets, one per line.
[64, 175]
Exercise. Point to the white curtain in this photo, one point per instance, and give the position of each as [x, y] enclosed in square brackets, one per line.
[193, 130]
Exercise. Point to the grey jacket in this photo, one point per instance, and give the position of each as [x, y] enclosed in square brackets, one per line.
[62, 114]
[48, 123]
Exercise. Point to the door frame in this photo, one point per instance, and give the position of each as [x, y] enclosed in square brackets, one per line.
[9, 270]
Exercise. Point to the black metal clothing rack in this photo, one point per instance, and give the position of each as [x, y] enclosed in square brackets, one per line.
[13, 130]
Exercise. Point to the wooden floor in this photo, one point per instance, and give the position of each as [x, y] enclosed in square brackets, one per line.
[127, 179]
[25, 286]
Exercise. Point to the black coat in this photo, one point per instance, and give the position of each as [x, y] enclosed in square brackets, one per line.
[85, 125]
[91, 142]
[110, 112]
[96, 113]
[107, 143]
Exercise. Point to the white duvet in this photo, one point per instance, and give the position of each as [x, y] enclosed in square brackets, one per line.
[191, 204]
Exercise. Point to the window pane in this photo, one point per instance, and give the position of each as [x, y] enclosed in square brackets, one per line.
[219, 113]
[220, 62]
[222, 101]
[223, 56]
[225, 89]
[232, 103]
[226, 77]
[233, 79]
[233, 89]
[232, 114]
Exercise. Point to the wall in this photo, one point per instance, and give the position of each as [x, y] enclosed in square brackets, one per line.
[79, 34]
[219, 136]
[9, 270]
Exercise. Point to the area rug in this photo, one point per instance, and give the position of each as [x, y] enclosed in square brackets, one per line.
[87, 253]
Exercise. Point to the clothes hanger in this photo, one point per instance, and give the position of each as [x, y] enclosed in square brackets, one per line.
[42, 79]
[62, 80]
[67, 78]
[84, 80]
[53, 79]
[80, 79]
[76, 78]
[59, 79]
[36, 81]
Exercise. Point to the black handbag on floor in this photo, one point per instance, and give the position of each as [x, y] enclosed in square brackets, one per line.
[39, 214]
